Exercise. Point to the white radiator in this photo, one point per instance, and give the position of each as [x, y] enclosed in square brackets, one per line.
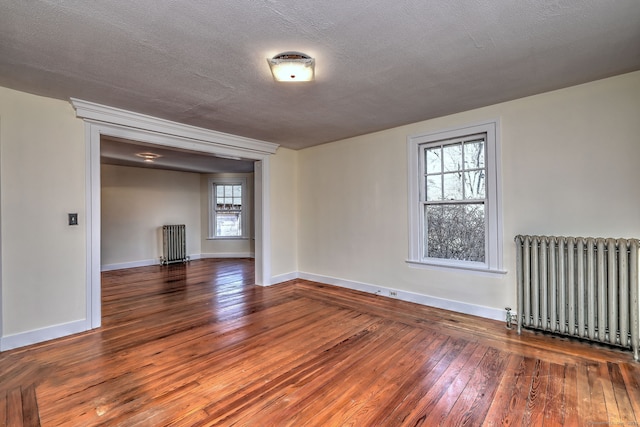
[580, 287]
[174, 244]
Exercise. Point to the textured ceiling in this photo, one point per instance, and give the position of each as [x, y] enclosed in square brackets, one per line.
[122, 152]
[380, 63]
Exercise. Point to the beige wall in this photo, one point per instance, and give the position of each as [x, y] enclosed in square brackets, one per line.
[137, 202]
[42, 178]
[225, 247]
[284, 215]
[569, 167]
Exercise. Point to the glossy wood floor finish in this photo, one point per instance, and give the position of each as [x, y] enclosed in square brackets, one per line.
[198, 345]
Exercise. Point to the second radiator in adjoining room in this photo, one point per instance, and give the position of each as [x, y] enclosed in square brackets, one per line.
[174, 244]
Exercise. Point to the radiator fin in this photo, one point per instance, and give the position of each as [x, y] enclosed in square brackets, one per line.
[174, 244]
[581, 287]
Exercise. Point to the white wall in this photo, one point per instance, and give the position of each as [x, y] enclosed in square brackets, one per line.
[42, 158]
[136, 203]
[230, 248]
[569, 167]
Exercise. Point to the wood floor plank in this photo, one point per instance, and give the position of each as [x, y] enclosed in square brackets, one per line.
[30, 413]
[583, 390]
[200, 344]
[3, 407]
[622, 399]
[473, 403]
[360, 387]
[598, 403]
[426, 396]
[535, 409]
[427, 385]
[508, 405]
[414, 360]
[14, 408]
[554, 407]
[435, 410]
[611, 404]
[571, 405]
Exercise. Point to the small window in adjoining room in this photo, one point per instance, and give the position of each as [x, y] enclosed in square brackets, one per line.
[454, 199]
[227, 213]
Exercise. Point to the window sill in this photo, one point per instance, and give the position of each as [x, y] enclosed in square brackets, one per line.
[228, 238]
[458, 268]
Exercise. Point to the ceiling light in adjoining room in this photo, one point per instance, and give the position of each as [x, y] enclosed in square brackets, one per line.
[292, 67]
[148, 157]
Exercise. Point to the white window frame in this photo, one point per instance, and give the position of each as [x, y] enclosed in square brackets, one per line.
[493, 229]
[244, 220]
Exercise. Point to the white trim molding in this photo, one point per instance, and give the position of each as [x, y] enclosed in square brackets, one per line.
[35, 336]
[195, 137]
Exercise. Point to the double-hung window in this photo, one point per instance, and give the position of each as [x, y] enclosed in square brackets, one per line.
[454, 200]
[228, 208]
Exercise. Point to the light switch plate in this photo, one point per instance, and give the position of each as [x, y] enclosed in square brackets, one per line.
[73, 219]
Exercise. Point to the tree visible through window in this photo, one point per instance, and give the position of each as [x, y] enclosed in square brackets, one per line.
[454, 206]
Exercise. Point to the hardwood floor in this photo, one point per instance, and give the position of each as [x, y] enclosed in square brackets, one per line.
[198, 345]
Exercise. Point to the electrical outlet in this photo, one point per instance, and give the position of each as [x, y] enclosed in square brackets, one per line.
[393, 294]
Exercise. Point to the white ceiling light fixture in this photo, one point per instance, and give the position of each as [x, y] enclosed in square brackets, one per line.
[292, 67]
[148, 157]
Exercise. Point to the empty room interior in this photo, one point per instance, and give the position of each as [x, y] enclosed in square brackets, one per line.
[286, 213]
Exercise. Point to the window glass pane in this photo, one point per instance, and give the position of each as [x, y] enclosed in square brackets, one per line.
[474, 184]
[452, 186]
[226, 211]
[219, 189]
[434, 187]
[433, 160]
[474, 154]
[228, 224]
[455, 232]
[452, 157]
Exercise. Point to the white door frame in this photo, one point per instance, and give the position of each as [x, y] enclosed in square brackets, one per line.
[102, 120]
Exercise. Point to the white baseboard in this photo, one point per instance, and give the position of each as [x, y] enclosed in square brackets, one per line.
[132, 264]
[284, 277]
[45, 334]
[457, 306]
[156, 261]
[229, 255]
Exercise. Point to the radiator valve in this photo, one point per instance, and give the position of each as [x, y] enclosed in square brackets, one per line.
[509, 318]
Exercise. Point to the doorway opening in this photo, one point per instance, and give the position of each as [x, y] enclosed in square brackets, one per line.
[110, 122]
